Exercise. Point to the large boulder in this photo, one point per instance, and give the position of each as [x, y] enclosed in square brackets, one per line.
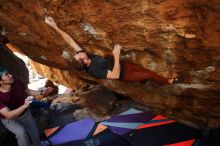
[167, 36]
[99, 100]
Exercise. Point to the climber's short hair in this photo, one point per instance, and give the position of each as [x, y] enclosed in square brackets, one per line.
[2, 70]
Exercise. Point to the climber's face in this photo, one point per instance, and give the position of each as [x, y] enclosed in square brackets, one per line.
[82, 57]
[6, 78]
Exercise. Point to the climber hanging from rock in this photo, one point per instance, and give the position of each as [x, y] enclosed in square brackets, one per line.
[106, 68]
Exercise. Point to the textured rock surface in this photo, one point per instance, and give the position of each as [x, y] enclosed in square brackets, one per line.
[99, 100]
[166, 36]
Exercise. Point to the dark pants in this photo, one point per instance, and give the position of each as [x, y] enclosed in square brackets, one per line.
[133, 72]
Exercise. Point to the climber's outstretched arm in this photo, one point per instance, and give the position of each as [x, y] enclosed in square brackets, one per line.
[65, 36]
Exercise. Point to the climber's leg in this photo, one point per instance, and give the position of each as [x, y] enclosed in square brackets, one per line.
[133, 72]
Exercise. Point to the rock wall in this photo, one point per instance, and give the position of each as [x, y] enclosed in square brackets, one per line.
[167, 36]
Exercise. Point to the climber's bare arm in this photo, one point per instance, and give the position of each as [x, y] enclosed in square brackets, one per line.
[115, 72]
[65, 36]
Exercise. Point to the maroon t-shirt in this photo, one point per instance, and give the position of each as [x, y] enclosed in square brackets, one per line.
[14, 98]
